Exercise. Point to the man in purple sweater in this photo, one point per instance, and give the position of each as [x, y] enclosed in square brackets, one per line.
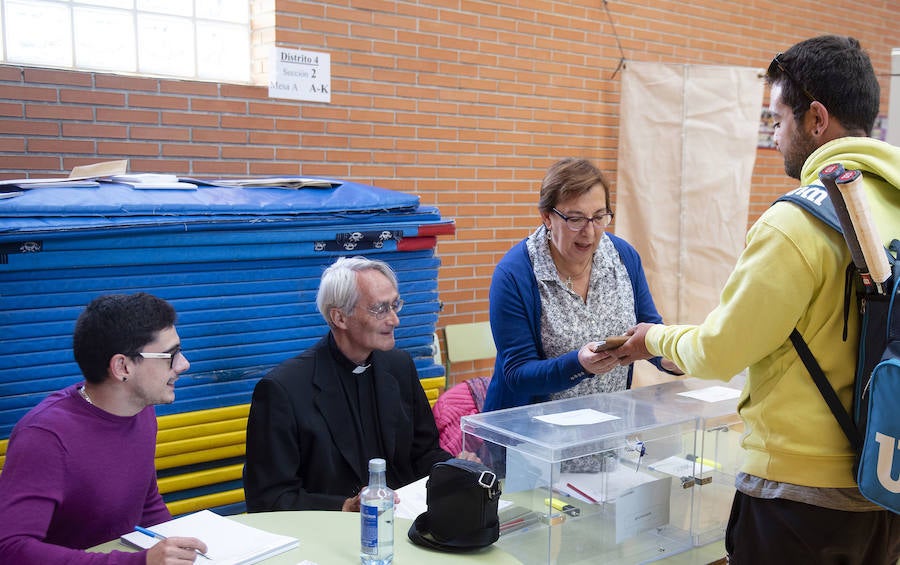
[79, 466]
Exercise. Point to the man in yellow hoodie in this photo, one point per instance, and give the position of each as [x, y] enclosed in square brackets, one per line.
[797, 500]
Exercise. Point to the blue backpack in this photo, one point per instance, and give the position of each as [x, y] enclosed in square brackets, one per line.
[873, 428]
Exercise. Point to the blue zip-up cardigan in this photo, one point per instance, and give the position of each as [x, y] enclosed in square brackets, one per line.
[522, 372]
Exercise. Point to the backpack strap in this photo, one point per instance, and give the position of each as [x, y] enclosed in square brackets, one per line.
[814, 199]
[893, 326]
[827, 391]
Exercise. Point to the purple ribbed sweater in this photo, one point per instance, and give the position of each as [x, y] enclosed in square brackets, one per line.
[76, 476]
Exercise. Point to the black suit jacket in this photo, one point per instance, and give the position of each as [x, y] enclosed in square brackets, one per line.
[302, 447]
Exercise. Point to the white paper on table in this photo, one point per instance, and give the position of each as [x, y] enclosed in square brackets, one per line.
[413, 500]
[604, 486]
[580, 417]
[566, 489]
[586, 487]
[715, 393]
[680, 467]
[229, 542]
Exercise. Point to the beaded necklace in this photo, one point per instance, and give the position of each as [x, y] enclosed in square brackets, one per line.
[84, 395]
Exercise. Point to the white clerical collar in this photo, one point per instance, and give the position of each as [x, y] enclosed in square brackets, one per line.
[360, 369]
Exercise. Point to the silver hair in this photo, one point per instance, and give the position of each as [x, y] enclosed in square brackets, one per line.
[339, 287]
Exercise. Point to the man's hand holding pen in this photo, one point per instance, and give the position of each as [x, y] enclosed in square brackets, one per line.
[175, 550]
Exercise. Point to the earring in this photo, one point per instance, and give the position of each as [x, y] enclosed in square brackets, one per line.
[124, 379]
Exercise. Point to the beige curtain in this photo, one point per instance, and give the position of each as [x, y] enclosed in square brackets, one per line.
[687, 145]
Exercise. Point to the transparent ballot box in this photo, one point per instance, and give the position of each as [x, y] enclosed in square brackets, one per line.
[712, 454]
[579, 478]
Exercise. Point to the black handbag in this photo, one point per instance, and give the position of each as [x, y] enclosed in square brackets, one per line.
[462, 498]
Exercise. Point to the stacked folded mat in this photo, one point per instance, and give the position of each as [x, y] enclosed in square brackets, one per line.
[239, 260]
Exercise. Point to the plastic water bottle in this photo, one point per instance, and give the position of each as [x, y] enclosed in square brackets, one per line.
[376, 508]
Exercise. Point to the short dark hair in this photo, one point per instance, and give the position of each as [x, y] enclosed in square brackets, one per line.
[834, 70]
[117, 323]
[570, 178]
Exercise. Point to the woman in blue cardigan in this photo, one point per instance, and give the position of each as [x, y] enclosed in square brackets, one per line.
[562, 289]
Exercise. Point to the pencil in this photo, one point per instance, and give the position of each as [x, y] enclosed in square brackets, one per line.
[152, 534]
[590, 498]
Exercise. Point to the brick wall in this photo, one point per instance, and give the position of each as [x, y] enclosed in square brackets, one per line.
[464, 103]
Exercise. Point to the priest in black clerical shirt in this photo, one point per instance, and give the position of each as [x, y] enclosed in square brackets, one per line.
[317, 419]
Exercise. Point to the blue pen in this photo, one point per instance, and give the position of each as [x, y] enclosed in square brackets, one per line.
[152, 534]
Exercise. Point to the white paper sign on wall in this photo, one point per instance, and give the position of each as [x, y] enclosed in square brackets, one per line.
[300, 75]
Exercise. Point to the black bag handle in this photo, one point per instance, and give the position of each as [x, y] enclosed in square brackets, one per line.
[486, 480]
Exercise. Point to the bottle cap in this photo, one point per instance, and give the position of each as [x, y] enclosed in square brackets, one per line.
[376, 465]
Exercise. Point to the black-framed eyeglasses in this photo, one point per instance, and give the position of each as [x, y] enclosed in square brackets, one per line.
[776, 63]
[380, 311]
[170, 355]
[577, 223]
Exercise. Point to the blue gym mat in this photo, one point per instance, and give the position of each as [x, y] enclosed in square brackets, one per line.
[240, 265]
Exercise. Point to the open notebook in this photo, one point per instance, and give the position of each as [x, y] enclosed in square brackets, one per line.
[229, 542]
